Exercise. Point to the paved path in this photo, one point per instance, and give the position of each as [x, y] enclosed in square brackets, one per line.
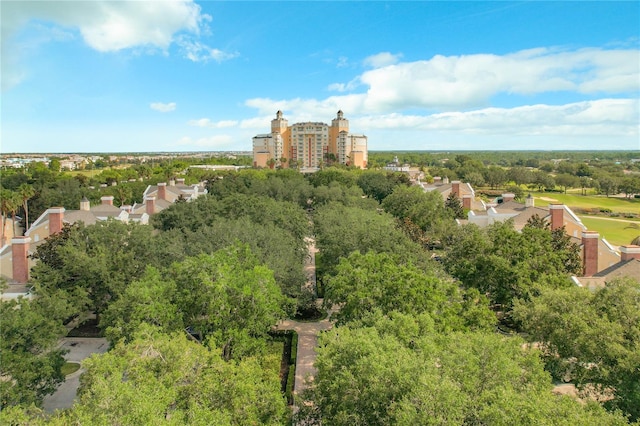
[307, 343]
[307, 331]
[636, 221]
[79, 349]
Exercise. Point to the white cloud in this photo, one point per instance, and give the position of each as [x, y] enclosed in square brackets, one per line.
[452, 82]
[199, 52]
[382, 59]
[612, 117]
[205, 122]
[341, 87]
[449, 83]
[106, 26]
[161, 107]
[113, 25]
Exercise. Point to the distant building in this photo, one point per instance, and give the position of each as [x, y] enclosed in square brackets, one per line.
[308, 145]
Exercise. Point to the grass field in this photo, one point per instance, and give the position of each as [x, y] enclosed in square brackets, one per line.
[575, 201]
[617, 233]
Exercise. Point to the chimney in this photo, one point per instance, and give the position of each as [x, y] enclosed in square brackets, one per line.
[529, 201]
[150, 202]
[466, 202]
[19, 259]
[107, 200]
[437, 180]
[56, 218]
[172, 182]
[508, 197]
[85, 205]
[126, 207]
[162, 191]
[590, 252]
[455, 187]
[180, 181]
[557, 212]
[629, 252]
[445, 180]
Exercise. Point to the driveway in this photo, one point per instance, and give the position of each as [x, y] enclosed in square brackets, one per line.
[79, 348]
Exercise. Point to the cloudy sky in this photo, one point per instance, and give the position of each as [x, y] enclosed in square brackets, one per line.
[139, 76]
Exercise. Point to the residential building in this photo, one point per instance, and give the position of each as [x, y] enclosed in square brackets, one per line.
[627, 266]
[15, 262]
[557, 216]
[464, 191]
[308, 145]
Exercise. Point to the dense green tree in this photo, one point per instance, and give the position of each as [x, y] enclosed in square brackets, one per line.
[31, 364]
[259, 209]
[341, 230]
[170, 379]
[567, 181]
[26, 192]
[474, 178]
[506, 264]
[495, 176]
[149, 300]
[590, 338]
[283, 254]
[426, 210]
[630, 186]
[92, 265]
[366, 282]
[520, 175]
[543, 181]
[371, 376]
[12, 179]
[229, 298]
[379, 185]
[454, 205]
[583, 169]
[333, 174]
[608, 185]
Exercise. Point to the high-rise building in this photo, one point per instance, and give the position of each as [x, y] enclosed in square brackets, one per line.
[309, 144]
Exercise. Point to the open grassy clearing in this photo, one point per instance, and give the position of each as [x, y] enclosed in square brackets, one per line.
[615, 204]
[617, 233]
[70, 367]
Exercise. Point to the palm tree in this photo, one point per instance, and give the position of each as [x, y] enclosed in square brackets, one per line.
[636, 241]
[14, 204]
[26, 192]
[5, 196]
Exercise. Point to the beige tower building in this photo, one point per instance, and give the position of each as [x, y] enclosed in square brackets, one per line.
[309, 144]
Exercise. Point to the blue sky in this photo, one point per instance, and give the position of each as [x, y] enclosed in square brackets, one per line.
[94, 76]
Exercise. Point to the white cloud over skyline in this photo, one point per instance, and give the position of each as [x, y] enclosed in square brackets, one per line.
[426, 74]
[454, 94]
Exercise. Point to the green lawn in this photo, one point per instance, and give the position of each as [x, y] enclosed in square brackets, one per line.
[273, 355]
[617, 233]
[576, 201]
[70, 367]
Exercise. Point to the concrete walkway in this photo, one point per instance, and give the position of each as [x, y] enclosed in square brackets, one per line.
[79, 349]
[307, 343]
[307, 331]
